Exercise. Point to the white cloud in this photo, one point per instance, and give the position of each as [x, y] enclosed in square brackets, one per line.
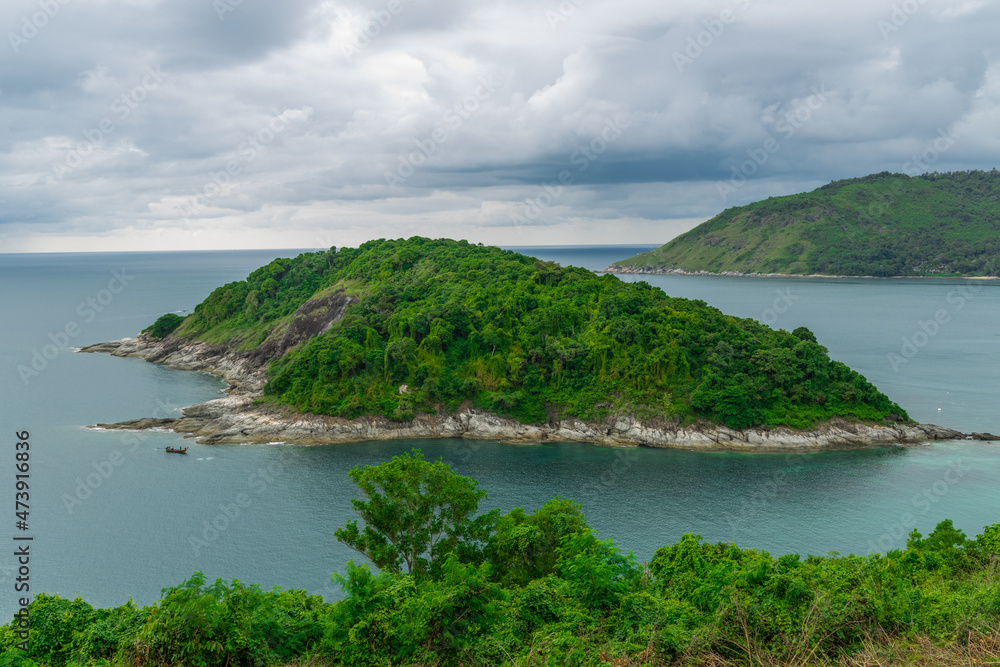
[552, 87]
[959, 8]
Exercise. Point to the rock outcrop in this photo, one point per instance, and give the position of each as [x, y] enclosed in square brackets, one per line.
[244, 370]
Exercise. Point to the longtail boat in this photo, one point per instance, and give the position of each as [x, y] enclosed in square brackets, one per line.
[176, 450]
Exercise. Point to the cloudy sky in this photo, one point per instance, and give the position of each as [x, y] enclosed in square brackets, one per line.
[189, 124]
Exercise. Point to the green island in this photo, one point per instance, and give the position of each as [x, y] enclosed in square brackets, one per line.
[937, 224]
[456, 586]
[432, 325]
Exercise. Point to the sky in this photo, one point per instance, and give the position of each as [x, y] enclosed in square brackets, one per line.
[210, 124]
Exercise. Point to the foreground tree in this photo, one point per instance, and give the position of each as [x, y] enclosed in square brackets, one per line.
[415, 513]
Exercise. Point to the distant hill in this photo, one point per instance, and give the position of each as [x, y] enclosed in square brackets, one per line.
[881, 225]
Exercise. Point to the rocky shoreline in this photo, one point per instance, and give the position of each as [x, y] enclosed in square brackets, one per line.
[240, 418]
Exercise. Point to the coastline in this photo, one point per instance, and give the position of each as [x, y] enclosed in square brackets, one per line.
[643, 270]
[239, 418]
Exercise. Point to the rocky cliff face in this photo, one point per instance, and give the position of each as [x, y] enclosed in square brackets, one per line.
[236, 418]
[245, 371]
[235, 367]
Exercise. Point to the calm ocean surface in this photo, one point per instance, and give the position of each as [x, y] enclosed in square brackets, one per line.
[113, 516]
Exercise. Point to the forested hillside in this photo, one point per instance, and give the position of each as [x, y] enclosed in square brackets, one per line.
[880, 225]
[435, 323]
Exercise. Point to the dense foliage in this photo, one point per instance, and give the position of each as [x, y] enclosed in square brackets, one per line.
[546, 591]
[193, 624]
[415, 514]
[164, 325]
[435, 323]
[880, 225]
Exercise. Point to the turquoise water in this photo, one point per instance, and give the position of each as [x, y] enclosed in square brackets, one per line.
[114, 516]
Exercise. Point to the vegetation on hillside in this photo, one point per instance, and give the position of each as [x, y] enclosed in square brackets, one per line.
[164, 325]
[436, 323]
[938, 224]
[540, 588]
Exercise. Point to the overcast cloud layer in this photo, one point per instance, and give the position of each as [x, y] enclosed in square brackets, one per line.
[186, 124]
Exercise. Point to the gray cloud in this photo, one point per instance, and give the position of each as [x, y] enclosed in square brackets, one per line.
[190, 123]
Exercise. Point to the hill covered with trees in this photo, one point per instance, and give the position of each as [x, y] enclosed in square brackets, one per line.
[458, 587]
[435, 324]
[937, 224]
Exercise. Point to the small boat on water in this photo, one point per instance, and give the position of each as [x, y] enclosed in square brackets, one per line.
[177, 450]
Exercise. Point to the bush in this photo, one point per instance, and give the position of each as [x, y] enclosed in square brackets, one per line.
[234, 624]
[989, 541]
[394, 618]
[164, 326]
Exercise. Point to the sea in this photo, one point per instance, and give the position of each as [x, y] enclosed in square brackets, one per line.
[111, 516]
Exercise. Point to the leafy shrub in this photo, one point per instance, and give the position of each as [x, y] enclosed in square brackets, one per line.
[219, 624]
[393, 618]
[989, 541]
[525, 547]
[164, 326]
[54, 622]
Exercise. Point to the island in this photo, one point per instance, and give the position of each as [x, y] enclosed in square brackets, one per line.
[439, 338]
[883, 225]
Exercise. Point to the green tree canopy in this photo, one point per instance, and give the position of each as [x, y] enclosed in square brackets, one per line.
[525, 546]
[416, 511]
[164, 326]
[461, 324]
